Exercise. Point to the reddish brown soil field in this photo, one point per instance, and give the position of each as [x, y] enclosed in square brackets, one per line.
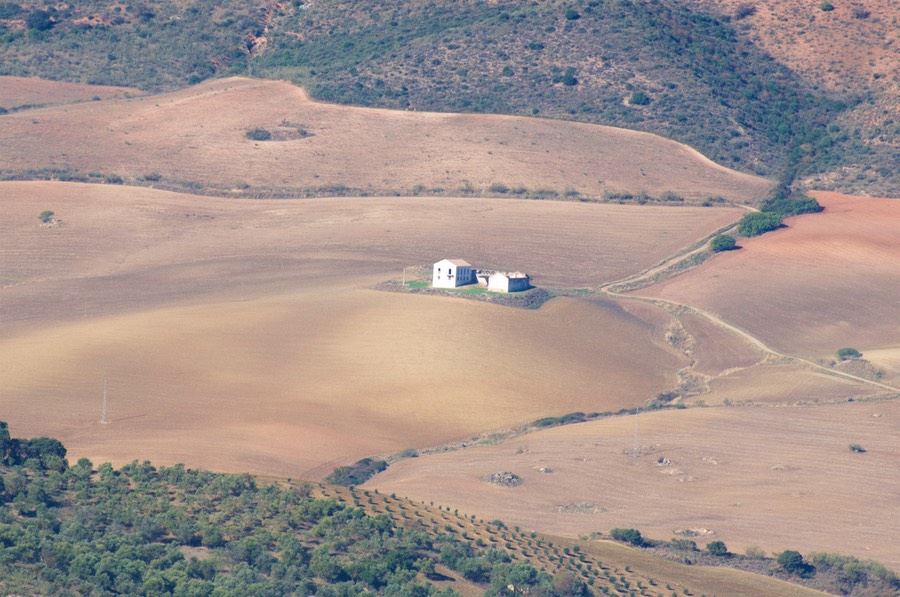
[779, 478]
[198, 134]
[25, 91]
[245, 335]
[825, 281]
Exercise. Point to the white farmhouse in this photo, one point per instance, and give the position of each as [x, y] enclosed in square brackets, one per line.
[451, 273]
[508, 282]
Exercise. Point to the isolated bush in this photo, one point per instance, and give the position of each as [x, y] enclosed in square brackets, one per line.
[826, 6]
[639, 98]
[39, 20]
[848, 353]
[856, 448]
[568, 77]
[632, 536]
[45, 216]
[258, 134]
[792, 562]
[754, 224]
[722, 242]
[572, 15]
[717, 548]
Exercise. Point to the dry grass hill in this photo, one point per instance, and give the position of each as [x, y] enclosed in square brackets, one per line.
[197, 137]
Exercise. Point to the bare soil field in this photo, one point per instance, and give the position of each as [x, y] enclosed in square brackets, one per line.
[28, 91]
[199, 135]
[245, 335]
[778, 478]
[826, 281]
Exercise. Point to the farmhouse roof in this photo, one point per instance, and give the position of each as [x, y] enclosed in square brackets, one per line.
[460, 262]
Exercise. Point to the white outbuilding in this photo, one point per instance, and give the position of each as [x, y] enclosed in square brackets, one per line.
[452, 273]
[508, 282]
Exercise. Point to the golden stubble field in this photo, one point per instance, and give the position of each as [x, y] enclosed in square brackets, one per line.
[246, 335]
[826, 281]
[198, 135]
[16, 92]
[777, 478]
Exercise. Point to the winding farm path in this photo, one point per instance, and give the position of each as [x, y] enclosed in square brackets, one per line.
[669, 267]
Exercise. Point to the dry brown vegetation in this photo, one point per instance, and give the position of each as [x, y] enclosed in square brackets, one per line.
[198, 135]
[245, 335]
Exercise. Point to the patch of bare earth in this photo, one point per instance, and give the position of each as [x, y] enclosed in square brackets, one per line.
[851, 47]
[826, 281]
[779, 478]
[199, 135]
[245, 335]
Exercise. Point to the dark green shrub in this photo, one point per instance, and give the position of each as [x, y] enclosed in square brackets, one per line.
[572, 15]
[722, 242]
[848, 353]
[717, 548]
[358, 473]
[754, 224]
[792, 562]
[632, 536]
[45, 216]
[856, 448]
[568, 77]
[39, 20]
[826, 6]
[639, 98]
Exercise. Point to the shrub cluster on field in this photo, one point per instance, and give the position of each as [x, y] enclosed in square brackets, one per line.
[833, 573]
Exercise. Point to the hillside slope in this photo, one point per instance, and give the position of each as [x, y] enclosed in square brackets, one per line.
[660, 67]
[197, 137]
